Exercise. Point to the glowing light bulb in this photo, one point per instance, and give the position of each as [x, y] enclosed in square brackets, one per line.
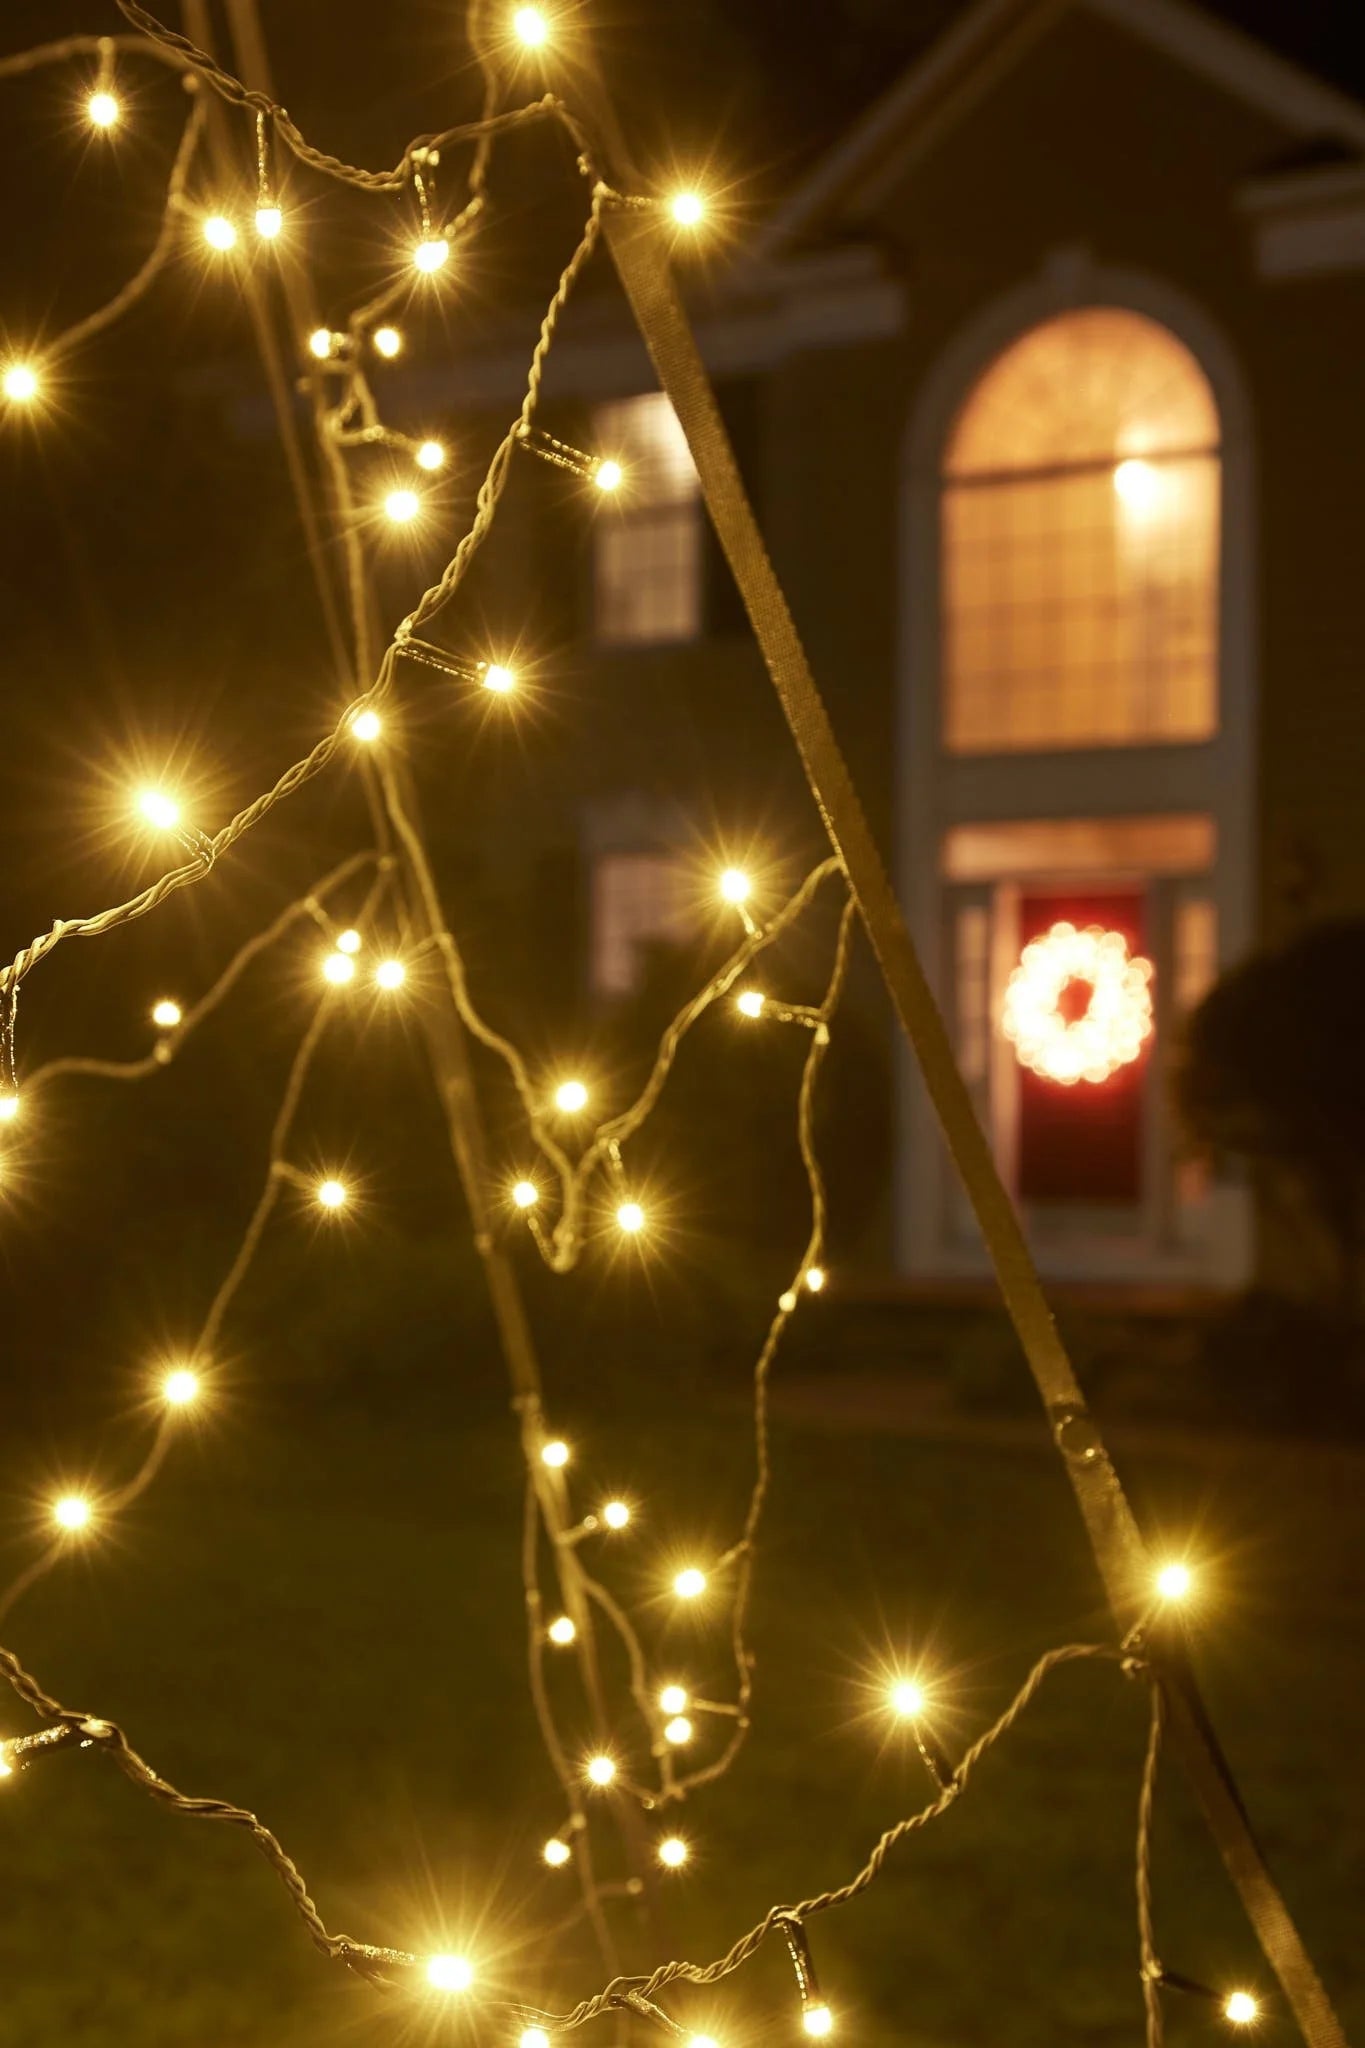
[679, 1730]
[818, 2020]
[349, 941]
[6, 1768]
[180, 1387]
[219, 232]
[388, 341]
[450, 1973]
[338, 968]
[390, 974]
[750, 1003]
[1137, 485]
[673, 1852]
[269, 221]
[534, 2037]
[673, 1699]
[103, 109]
[159, 809]
[556, 1852]
[72, 1511]
[431, 254]
[701, 2041]
[166, 1014]
[689, 1583]
[687, 208]
[367, 726]
[532, 27]
[607, 475]
[561, 1631]
[20, 383]
[496, 676]
[555, 1454]
[814, 1277]
[321, 343]
[401, 506]
[735, 885]
[430, 455]
[631, 1217]
[1241, 2008]
[616, 1514]
[571, 1096]
[526, 1194]
[601, 1770]
[332, 1194]
[1173, 1581]
[907, 1698]
[9, 1108]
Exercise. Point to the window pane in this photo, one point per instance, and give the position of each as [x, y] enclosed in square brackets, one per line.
[644, 436]
[648, 541]
[637, 898]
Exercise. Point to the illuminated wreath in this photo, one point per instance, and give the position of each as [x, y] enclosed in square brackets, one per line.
[1078, 1006]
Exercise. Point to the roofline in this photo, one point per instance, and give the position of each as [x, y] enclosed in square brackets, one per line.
[994, 34]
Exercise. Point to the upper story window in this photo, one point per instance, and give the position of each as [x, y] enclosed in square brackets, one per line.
[1080, 543]
[647, 544]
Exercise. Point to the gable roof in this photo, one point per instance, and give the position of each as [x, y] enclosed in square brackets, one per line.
[986, 43]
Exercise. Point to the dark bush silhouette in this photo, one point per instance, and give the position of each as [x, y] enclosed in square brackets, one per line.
[1272, 1073]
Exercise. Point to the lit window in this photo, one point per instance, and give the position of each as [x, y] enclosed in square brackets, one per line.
[638, 900]
[648, 539]
[1080, 543]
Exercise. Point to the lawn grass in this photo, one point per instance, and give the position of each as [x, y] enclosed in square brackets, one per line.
[316, 1613]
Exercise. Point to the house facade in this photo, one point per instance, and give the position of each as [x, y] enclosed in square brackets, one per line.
[1047, 383]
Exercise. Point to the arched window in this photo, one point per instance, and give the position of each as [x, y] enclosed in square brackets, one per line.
[1080, 494]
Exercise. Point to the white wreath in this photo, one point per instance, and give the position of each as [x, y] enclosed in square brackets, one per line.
[1117, 1020]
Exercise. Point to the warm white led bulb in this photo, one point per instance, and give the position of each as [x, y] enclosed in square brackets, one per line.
[20, 383]
[526, 1194]
[556, 1852]
[601, 1770]
[388, 341]
[786, 1301]
[673, 1699]
[430, 254]
[166, 1014]
[450, 1973]
[367, 726]
[180, 1387]
[555, 1454]
[103, 109]
[72, 1511]
[907, 1698]
[401, 506]
[750, 1002]
[159, 809]
[219, 232]
[534, 2037]
[631, 1217]
[818, 2020]
[331, 1194]
[673, 1852]
[430, 455]
[571, 1096]
[269, 221]
[531, 26]
[701, 2041]
[735, 885]
[7, 1771]
[390, 974]
[338, 968]
[607, 475]
[687, 208]
[678, 1730]
[1173, 1581]
[321, 343]
[9, 1107]
[814, 1277]
[498, 677]
[1241, 2008]
[561, 1631]
[349, 941]
[689, 1583]
[616, 1514]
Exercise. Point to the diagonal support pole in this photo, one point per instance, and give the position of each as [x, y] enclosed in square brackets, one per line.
[638, 251]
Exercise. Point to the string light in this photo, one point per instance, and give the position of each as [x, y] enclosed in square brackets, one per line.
[349, 941]
[607, 475]
[72, 1511]
[388, 341]
[555, 1454]
[450, 1973]
[525, 1194]
[735, 885]
[219, 232]
[534, 2037]
[673, 1699]
[498, 678]
[673, 1852]
[269, 221]
[687, 209]
[9, 1106]
[430, 455]
[532, 27]
[556, 1852]
[166, 1014]
[616, 1514]
[814, 1277]
[631, 1217]
[401, 506]
[818, 2020]
[430, 255]
[1173, 1581]
[390, 974]
[180, 1387]
[750, 1002]
[1077, 1007]
[601, 1770]
[338, 968]
[562, 1631]
[6, 1767]
[321, 343]
[1241, 2008]
[571, 1096]
[332, 1194]
[689, 1583]
[159, 809]
[907, 1698]
[678, 1730]
[20, 383]
[103, 109]
[366, 726]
